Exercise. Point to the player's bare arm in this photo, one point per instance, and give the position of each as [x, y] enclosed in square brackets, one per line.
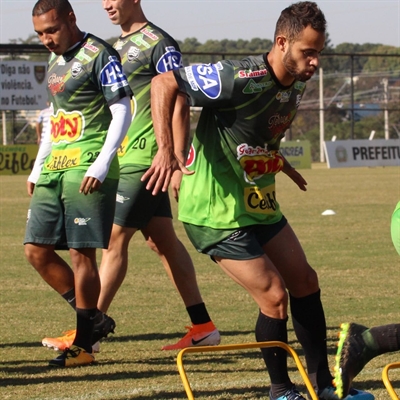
[164, 92]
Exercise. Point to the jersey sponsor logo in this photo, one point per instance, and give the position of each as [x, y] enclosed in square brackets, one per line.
[283, 97]
[191, 156]
[205, 77]
[139, 41]
[91, 47]
[298, 100]
[56, 84]
[248, 73]
[123, 147]
[113, 75]
[119, 44]
[61, 61]
[258, 161]
[149, 34]
[64, 159]
[133, 54]
[171, 59]
[82, 56]
[278, 123]
[260, 200]
[76, 70]
[66, 127]
[299, 85]
[256, 87]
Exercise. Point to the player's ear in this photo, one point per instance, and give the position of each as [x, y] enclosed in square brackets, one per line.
[281, 42]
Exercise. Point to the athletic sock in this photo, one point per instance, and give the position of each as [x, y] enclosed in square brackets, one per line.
[84, 328]
[383, 339]
[310, 328]
[198, 314]
[70, 297]
[275, 358]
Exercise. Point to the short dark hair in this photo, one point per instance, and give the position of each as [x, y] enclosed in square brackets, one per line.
[298, 16]
[62, 7]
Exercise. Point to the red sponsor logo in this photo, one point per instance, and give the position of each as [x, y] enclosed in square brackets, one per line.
[90, 47]
[66, 126]
[278, 124]
[149, 34]
[247, 73]
[56, 84]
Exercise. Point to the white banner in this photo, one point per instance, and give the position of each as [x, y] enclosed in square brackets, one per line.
[363, 153]
[23, 85]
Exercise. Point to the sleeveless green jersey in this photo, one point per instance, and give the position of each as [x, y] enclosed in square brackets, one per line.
[82, 84]
[144, 54]
[235, 150]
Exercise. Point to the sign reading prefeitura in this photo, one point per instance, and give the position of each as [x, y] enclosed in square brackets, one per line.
[23, 85]
[363, 153]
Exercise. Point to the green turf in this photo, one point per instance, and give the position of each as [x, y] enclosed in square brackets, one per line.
[358, 270]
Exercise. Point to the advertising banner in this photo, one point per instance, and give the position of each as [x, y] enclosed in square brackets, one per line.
[17, 159]
[363, 153]
[23, 85]
[297, 153]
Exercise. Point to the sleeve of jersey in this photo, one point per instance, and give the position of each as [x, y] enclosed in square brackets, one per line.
[121, 120]
[110, 76]
[207, 85]
[166, 56]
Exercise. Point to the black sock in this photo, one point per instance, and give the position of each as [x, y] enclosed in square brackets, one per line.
[70, 297]
[275, 358]
[84, 328]
[310, 328]
[198, 314]
[386, 338]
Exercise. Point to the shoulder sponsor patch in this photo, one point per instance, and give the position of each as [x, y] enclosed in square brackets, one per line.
[205, 77]
[171, 59]
[112, 74]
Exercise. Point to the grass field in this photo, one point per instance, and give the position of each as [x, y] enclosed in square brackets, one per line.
[358, 268]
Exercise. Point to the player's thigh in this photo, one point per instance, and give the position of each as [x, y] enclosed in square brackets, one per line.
[287, 254]
[88, 218]
[135, 205]
[45, 220]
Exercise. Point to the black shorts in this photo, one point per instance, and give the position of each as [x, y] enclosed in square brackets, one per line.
[241, 244]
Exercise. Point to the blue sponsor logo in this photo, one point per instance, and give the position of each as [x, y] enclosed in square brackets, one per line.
[112, 73]
[206, 78]
[171, 59]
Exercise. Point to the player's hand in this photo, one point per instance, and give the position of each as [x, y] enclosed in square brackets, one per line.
[297, 178]
[176, 183]
[30, 187]
[160, 172]
[89, 185]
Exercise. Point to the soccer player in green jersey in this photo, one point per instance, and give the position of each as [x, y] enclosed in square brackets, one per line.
[228, 199]
[358, 344]
[146, 51]
[74, 180]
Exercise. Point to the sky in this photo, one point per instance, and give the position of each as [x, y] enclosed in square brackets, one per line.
[351, 21]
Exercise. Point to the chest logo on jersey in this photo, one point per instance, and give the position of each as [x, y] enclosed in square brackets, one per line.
[205, 77]
[67, 127]
[283, 97]
[113, 75]
[56, 84]
[248, 73]
[139, 41]
[258, 161]
[76, 70]
[261, 200]
[91, 47]
[256, 87]
[149, 34]
[278, 123]
[171, 59]
[133, 54]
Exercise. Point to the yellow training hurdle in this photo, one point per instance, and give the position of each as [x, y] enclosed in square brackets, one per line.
[386, 381]
[203, 349]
